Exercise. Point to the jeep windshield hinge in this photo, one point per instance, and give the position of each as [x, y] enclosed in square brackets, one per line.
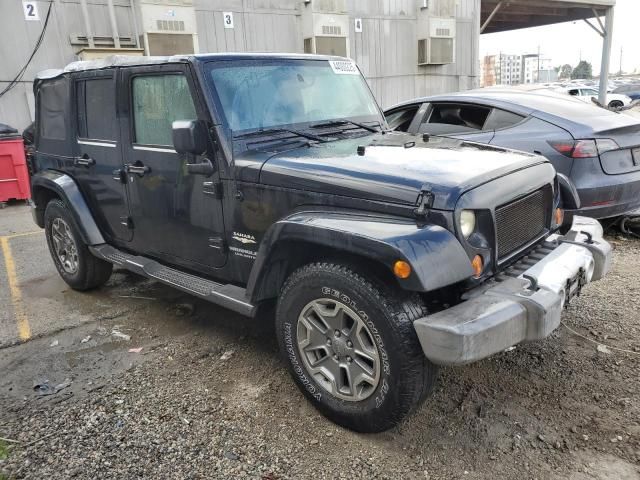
[424, 202]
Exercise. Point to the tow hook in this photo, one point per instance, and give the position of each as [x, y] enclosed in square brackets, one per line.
[589, 240]
[533, 282]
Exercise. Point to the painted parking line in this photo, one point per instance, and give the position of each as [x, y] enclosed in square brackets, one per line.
[22, 320]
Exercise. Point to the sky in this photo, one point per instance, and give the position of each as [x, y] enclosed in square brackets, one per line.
[566, 42]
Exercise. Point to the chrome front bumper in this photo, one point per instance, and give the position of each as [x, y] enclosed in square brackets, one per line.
[527, 307]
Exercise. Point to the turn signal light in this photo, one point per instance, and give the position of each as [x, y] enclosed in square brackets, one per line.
[402, 269]
[478, 265]
[559, 216]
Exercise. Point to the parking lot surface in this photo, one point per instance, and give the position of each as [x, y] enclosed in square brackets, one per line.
[136, 380]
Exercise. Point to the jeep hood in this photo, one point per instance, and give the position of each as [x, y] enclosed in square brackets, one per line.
[395, 167]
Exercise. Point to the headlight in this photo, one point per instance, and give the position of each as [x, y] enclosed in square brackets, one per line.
[467, 222]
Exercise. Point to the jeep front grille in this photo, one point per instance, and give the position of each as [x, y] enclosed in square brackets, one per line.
[521, 222]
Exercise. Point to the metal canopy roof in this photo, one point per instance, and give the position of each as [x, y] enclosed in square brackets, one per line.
[516, 14]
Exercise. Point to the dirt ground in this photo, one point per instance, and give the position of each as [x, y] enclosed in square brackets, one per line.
[209, 397]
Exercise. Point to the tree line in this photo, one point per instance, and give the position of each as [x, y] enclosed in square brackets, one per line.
[582, 70]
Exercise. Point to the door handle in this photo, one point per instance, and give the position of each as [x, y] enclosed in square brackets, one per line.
[84, 161]
[138, 168]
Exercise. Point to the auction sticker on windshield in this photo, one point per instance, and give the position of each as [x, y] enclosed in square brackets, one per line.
[344, 67]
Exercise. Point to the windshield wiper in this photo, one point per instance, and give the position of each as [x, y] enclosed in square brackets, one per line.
[264, 131]
[338, 123]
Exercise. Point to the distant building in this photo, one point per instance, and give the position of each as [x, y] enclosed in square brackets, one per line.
[501, 69]
[537, 69]
[488, 71]
[506, 69]
[509, 70]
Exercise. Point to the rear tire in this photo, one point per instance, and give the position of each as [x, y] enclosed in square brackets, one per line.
[71, 256]
[351, 347]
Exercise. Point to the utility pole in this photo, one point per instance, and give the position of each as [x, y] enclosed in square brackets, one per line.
[538, 75]
[620, 72]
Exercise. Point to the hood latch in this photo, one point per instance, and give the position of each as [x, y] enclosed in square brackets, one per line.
[424, 202]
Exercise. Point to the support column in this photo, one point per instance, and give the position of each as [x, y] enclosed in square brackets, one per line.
[87, 23]
[606, 56]
[114, 24]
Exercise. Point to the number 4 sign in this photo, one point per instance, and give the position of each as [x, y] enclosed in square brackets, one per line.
[227, 18]
[31, 11]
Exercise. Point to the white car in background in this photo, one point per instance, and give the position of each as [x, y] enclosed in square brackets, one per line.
[614, 100]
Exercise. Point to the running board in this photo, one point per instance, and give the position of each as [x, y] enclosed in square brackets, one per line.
[225, 295]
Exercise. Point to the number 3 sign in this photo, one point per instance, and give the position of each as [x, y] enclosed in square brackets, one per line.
[227, 18]
[31, 11]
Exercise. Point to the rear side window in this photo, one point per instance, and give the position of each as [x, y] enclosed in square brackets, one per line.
[467, 116]
[158, 101]
[51, 116]
[96, 109]
[501, 119]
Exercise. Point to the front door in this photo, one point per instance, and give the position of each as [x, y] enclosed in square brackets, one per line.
[98, 156]
[175, 215]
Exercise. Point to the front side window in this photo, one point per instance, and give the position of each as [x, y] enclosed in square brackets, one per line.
[158, 101]
[265, 94]
[96, 101]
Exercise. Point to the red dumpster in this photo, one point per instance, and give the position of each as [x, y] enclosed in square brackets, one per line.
[14, 177]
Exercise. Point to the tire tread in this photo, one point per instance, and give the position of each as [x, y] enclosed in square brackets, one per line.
[417, 373]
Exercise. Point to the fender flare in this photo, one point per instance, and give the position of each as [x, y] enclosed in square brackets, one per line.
[436, 257]
[66, 189]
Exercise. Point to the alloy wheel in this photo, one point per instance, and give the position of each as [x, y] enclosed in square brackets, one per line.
[64, 245]
[338, 349]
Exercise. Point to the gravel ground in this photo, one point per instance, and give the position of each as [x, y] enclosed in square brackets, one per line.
[212, 399]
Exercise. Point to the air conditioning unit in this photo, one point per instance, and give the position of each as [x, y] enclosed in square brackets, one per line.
[326, 33]
[440, 46]
[168, 27]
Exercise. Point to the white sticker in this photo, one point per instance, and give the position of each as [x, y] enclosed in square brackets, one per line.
[358, 24]
[344, 67]
[227, 18]
[31, 11]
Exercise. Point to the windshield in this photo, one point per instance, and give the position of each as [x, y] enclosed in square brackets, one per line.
[256, 94]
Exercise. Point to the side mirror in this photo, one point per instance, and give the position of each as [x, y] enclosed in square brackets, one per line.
[190, 136]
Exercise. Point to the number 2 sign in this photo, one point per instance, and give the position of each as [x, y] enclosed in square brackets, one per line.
[31, 11]
[227, 18]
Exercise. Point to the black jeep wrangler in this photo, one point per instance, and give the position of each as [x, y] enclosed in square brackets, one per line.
[255, 179]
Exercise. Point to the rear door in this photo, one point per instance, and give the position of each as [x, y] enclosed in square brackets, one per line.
[176, 216]
[98, 156]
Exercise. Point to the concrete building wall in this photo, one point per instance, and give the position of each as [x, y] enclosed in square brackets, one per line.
[18, 38]
[386, 50]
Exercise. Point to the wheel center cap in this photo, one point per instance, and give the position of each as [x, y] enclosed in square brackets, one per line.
[340, 347]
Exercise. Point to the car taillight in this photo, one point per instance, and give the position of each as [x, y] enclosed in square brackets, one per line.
[584, 148]
[606, 145]
[565, 148]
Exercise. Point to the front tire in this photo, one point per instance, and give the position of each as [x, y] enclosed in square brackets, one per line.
[616, 104]
[71, 256]
[351, 346]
